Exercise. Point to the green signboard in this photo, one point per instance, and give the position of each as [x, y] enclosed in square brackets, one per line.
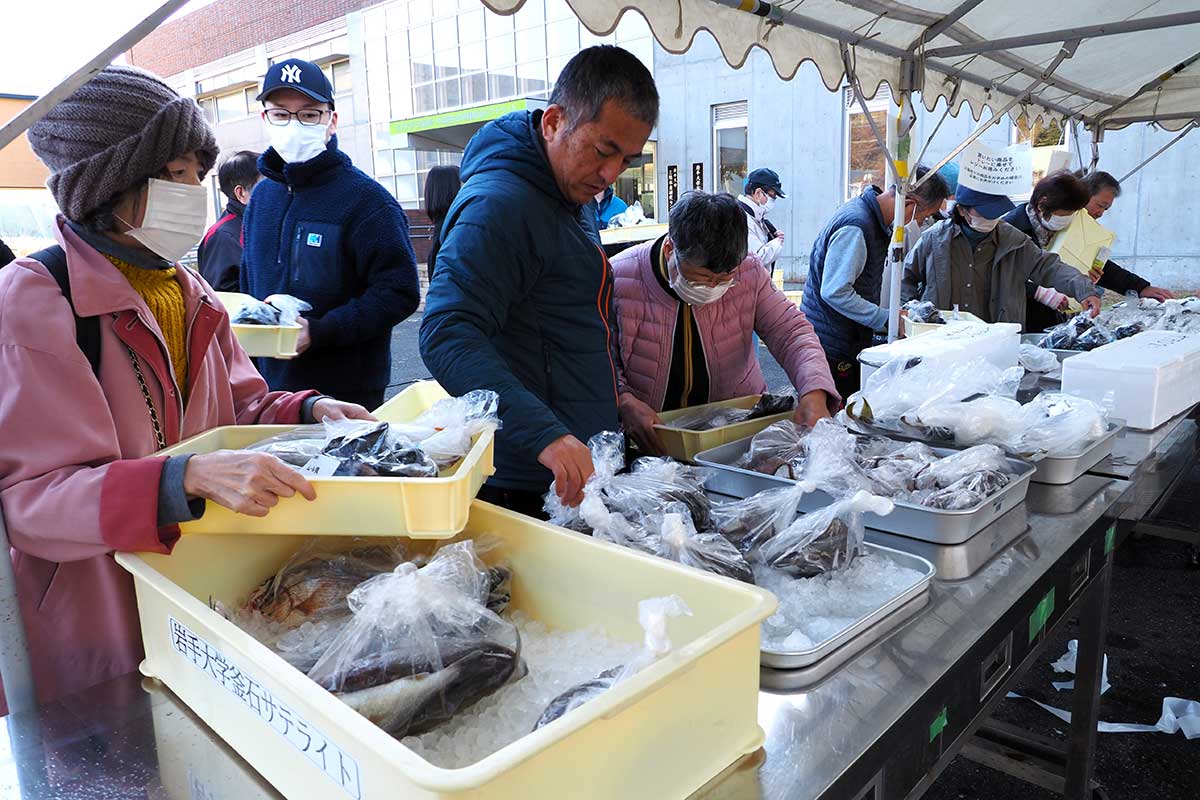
[463, 116]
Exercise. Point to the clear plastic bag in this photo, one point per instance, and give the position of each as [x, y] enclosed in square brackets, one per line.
[706, 419]
[295, 447]
[290, 308]
[369, 449]
[421, 644]
[778, 449]
[677, 540]
[823, 541]
[653, 615]
[1096, 336]
[982, 419]
[1037, 359]
[1059, 424]
[952, 468]
[749, 522]
[893, 470]
[448, 428]
[966, 492]
[923, 311]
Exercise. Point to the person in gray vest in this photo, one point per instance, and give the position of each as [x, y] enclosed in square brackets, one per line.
[845, 272]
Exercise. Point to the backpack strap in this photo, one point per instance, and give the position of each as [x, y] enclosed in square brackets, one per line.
[87, 329]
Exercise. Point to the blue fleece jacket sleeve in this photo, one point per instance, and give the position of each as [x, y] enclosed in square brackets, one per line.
[174, 506]
[479, 279]
[845, 259]
[383, 254]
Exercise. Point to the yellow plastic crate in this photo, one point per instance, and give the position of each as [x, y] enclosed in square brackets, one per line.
[795, 297]
[422, 508]
[685, 445]
[663, 733]
[269, 341]
[777, 279]
[918, 328]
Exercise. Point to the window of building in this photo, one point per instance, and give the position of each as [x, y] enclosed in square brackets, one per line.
[234, 105]
[637, 183]
[209, 106]
[731, 154]
[866, 161]
[340, 76]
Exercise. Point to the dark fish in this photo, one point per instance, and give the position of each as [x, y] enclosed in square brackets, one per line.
[578, 695]
[828, 550]
[406, 698]
[320, 583]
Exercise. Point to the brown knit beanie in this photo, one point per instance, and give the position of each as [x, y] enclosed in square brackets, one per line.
[114, 132]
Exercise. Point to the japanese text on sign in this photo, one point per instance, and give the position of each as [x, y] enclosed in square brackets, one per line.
[1007, 170]
[672, 185]
[306, 738]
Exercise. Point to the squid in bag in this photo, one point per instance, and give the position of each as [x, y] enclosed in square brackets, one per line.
[988, 418]
[421, 644]
[827, 540]
[749, 522]
[779, 449]
[653, 614]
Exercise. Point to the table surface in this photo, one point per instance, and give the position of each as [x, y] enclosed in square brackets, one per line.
[133, 738]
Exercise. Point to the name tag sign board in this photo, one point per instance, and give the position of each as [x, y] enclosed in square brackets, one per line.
[996, 170]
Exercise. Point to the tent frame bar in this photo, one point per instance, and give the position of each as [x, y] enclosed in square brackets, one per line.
[853, 39]
[945, 23]
[1117, 122]
[1161, 150]
[40, 107]
[1149, 86]
[1068, 50]
[1051, 37]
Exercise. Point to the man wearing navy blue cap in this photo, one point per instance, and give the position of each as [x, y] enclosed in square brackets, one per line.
[762, 189]
[324, 231]
[979, 263]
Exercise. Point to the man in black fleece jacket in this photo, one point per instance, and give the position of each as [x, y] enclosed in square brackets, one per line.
[324, 231]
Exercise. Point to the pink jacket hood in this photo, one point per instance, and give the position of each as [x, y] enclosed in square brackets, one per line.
[78, 479]
[647, 314]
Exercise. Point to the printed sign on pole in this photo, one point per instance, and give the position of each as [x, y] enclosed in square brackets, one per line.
[996, 170]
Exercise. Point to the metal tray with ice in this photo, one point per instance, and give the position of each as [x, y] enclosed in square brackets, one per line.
[908, 519]
[863, 626]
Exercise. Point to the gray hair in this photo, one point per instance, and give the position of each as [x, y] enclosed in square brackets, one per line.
[709, 230]
[1099, 180]
[934, 191]
[602, 73]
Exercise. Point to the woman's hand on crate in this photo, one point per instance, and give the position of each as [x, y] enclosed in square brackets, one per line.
[571, 462]
[248, 483]
[328, 408]
[639, 420]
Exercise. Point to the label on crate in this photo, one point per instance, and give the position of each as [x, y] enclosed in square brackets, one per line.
[321, 466]
[283, 719]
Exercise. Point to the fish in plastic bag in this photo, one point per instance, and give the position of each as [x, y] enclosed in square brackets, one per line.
[653, 614]
[295, 447]
[278, 309]
[823, 541]
[923, 311]
[749, 522]
[421, 644]
[981, 419]
[966, 492]
[369, 449]
[677, 540]
[1059, 424]
[946, 471]
[1037, 359]
[779, 449]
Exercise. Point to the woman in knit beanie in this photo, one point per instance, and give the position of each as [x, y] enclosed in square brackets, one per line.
[110, 352]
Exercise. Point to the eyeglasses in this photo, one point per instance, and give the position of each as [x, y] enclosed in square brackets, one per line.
[306, 116]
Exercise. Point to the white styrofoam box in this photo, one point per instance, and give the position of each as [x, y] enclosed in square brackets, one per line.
[1145, 379]
[999, 343]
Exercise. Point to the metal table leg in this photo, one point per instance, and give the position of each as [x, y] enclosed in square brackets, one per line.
[1085, 709]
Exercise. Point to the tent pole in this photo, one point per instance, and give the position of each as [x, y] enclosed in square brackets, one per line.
[1097, 138]
[895, 269]
[1160, 151]
[38, 108]
[16, 669]
[1066, 52]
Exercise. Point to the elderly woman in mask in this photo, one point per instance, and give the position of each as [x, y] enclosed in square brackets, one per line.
[688, 306]
[111, 351]
[981, 264]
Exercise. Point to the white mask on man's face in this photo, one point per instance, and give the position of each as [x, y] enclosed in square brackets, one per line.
[691, 293]
[296, 143]
[175, 219]
[980, 224]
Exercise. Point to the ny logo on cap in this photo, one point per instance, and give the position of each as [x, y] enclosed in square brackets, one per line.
[290, 74]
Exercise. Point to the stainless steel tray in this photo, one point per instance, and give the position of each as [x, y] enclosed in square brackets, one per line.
[957, 562]
[908, 519]
[1035, 339]
[867, 625]
[793, 680]
[1058, 470]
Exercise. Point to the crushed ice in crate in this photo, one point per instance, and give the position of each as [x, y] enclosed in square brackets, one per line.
[813, 610]
[557, 660]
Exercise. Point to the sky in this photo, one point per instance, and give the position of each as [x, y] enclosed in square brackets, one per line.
[47, 40]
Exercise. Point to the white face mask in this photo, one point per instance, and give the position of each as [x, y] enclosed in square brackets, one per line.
[691, 293]
[1055, 223]
[769, 205]
[175, 219]
[982, 225]
[296, 143]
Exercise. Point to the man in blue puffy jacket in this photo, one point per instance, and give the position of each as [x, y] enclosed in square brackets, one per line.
[522, 304]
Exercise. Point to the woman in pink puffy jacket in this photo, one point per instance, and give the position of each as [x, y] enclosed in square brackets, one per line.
[688, 306]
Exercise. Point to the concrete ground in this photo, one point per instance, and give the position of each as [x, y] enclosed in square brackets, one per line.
[1153, 650]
